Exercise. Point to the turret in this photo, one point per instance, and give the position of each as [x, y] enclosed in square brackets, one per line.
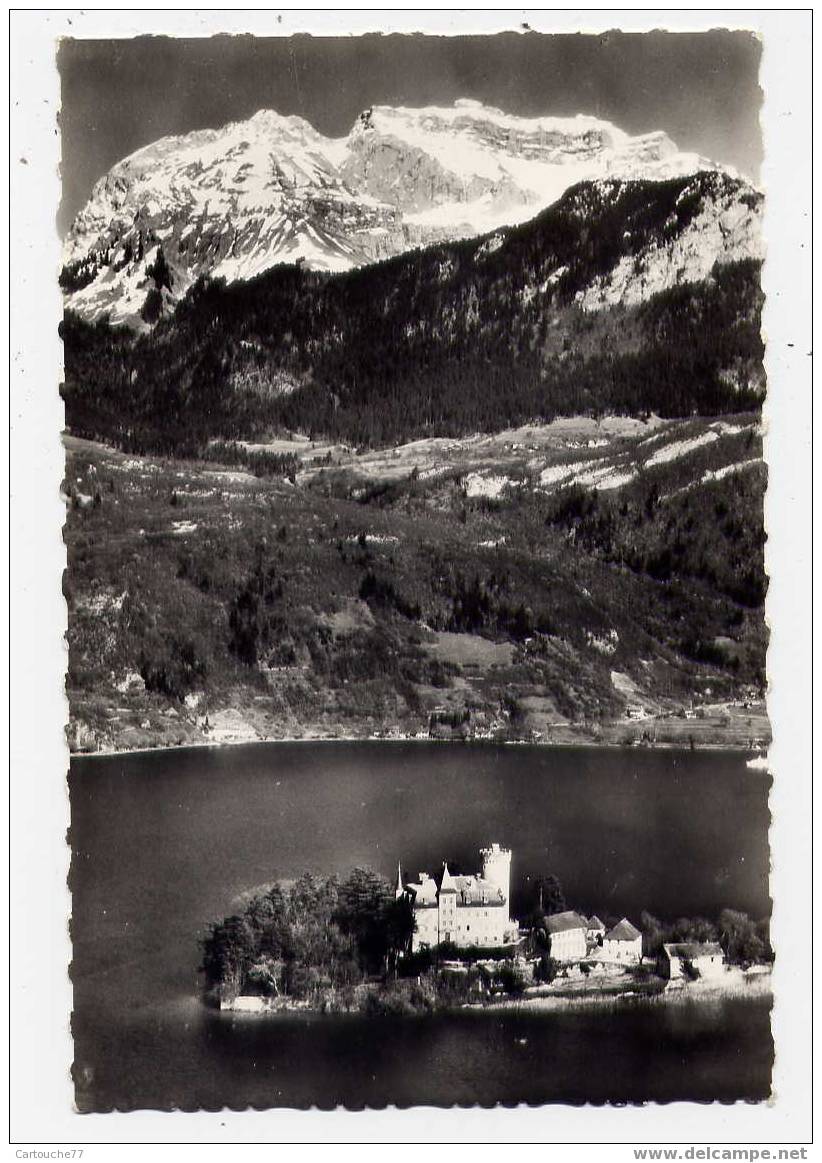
[496, 868]
[447, 882]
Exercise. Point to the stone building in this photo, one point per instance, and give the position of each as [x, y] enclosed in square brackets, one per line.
[465, 910]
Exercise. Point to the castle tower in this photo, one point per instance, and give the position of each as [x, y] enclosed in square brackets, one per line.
[447, 882]
[447, 907]
[496, 868]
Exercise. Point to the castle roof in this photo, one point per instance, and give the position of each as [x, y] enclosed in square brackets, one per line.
[475, 890]
[564, 922]
[623, 931]
[447, 884]
[424, 891]
[471, 891]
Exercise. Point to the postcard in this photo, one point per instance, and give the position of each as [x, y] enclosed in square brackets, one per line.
[420, 494]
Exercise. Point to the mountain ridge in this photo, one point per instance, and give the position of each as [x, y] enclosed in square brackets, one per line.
[235, 201]
[616, 298]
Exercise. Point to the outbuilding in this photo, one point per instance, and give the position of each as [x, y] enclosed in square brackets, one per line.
[691, 958]
[622, 943]
[567, 933]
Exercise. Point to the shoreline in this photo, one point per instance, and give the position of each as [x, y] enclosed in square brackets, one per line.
[741, 984]
[758, 758]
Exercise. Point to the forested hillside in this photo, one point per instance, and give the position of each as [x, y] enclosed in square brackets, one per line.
[208, 603]
[473, 335]
[579, 556]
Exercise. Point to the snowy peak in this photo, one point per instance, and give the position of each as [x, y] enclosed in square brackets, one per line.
[239, 143]
[235, 201]
[487, 136]
[470, 168]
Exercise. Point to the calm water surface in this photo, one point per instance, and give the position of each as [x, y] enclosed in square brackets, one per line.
[165, 842]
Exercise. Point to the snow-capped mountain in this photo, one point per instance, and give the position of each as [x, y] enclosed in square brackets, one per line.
[560, 315]
[236, 201]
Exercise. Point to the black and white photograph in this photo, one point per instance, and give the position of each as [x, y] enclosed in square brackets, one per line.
[415, 397]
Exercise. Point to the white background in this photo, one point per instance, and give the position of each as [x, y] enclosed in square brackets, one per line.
[40, 993]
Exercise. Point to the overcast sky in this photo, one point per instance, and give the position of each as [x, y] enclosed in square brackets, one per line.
[118, 95]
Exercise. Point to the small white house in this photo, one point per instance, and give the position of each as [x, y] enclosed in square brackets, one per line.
[622, 944]
[567, 932]
[706, 957]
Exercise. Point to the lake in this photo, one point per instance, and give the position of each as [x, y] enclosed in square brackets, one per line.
[165, 842]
